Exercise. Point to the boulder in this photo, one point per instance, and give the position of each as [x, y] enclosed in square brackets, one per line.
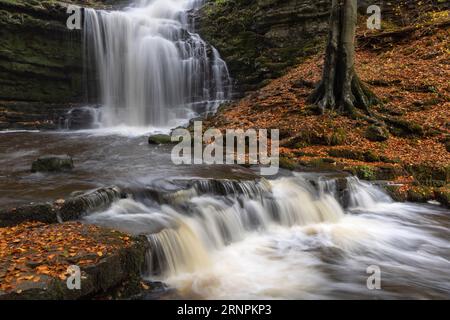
[443, 196]
[52, 164]
[75, 208]
[376, 134]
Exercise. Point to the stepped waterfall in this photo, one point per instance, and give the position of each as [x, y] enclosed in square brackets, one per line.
[151, 66]
[298, 237]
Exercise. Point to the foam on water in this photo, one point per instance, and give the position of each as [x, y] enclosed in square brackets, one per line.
[289, 239]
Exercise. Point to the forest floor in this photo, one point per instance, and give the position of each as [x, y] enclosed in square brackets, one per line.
[411, 78]
[35, 260]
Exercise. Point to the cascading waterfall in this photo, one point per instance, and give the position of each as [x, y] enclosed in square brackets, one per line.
[210, 240]
[152, 68]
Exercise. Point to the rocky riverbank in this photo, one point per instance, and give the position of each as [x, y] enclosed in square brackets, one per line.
[35, 260]
[412, 152]
[39, 242]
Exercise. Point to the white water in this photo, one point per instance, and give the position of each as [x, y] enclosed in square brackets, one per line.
[153, 69]
[286, 239]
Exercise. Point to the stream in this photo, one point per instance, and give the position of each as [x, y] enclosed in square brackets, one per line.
[222, 232]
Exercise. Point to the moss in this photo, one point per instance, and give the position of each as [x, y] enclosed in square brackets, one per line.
[364, 172]
[420, 194]
[287, 163]
[376, 134]
[261, 39]
[443, 196]
[160, 139]
[395, 192]
[404, 128]
[367, 156]
[430, 175]
[338, 137]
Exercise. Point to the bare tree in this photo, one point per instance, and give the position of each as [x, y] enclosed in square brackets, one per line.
[340, 86]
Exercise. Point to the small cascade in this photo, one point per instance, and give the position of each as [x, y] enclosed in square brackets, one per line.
[212, 214]
[152, 67]
[364, 195]
[283, 238]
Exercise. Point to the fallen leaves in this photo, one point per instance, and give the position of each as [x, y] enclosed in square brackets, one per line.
[34, 252]
[411, 85]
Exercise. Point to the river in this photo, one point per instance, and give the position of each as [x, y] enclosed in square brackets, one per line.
[223, 232]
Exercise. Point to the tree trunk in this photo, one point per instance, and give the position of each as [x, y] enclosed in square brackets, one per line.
[340, 86]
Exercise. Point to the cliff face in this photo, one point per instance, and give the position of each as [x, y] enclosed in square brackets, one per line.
[260, 39]
[41, 63]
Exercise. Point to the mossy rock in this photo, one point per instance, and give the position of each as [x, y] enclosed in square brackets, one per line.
[364, 172]
[288, 163]
[52, 164]
[443, 196]
[158, 139]
[376, 134]
[308, 138]
[338, 137]
[430, 175]
[372, 173]
[395, 192]
[420, 194]
[404, 128]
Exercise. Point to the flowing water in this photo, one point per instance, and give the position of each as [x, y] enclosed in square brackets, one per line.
[288, 238]
[224, 232]
[152, 67]
[219, 231]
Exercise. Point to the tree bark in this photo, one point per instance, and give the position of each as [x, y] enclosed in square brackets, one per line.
[340, 86]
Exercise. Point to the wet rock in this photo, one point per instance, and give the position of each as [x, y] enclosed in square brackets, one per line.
[394, 191]
[443, 196]
[376, 134]
[41, 62]
[75, 208]
[52, 164]
[342, 191]
[45, 213]
[158, 139]
[420, 194]
[80, 118]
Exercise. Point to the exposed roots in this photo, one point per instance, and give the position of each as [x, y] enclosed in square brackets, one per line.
[357, 98]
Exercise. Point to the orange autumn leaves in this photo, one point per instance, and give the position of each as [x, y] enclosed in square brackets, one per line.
[411, 78]
[34, 252]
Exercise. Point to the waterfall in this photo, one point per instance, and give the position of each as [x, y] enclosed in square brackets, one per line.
[152, 68]
[283, 238]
